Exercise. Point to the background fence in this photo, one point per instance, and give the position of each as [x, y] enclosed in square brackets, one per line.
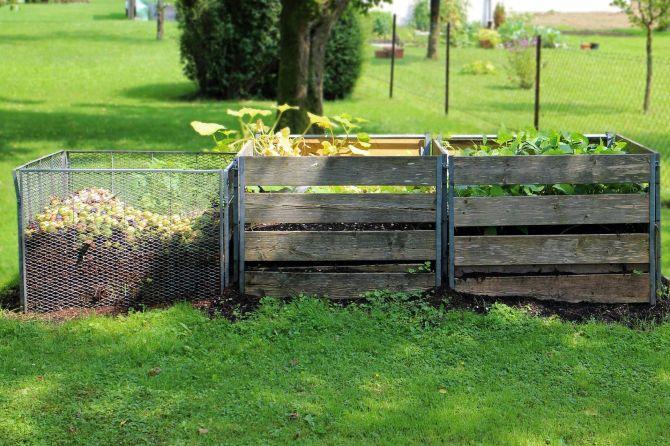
[590, 91]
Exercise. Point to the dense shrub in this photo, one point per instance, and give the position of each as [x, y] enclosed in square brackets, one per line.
[344, 56]
[230, 48]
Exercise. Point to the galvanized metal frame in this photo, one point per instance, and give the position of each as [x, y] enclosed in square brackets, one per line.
[439, 186]
[654, 228]
[451, 274]
[240, 222]
[19, 211]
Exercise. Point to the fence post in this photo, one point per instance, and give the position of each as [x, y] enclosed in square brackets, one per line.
[654, 228]
[446, 70]
[392, 58]
[240, 222]
[19, 213]
[451, 270]
[538, 64]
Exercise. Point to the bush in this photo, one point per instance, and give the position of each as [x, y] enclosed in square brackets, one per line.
[344, 56]
[521, 63]
[478, 67]
[499, 15]
[488, 38]
[230, 48]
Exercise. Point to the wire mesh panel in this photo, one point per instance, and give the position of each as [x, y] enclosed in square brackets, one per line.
[124, 236]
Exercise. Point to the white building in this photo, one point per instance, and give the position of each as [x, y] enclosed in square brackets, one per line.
[477, 9]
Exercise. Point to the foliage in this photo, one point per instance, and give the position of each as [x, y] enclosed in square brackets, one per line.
[344, 56]
[534, 143]
[466, 35]
[478, 67]
[382, 24]
[519, 28]
[499, 15]
[488, 38]
[521, 63]
[269, 140]
[230, 48]
[451, 11]
[645, 13]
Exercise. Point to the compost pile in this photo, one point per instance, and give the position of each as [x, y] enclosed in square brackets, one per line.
[90, 249]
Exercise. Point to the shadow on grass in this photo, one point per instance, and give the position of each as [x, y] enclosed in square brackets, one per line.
[167, 92]
[110, 16]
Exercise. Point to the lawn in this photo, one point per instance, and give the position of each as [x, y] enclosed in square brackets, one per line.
[79, 76]
[392, 373]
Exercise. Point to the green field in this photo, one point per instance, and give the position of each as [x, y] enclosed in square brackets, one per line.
[79, 76]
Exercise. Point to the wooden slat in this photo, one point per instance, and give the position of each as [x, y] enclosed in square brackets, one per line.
[531, 270]
[551, 249]
[582, 169]
[343, 171]
[333, 285]
[341, 208]
[346, 268]
[313, 246]
[606, 288]
[551, 210]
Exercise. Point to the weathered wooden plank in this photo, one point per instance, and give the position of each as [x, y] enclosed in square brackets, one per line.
[343, 171]
[605, 288]
[333, 285]
[313, 246]
[344, 268]
[582, 169]
[551, 210]
[530, 270]
[551, 249]
[341, 208]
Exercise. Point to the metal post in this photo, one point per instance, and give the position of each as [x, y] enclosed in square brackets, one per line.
[426, 145]
[659, 250]
[235, 232]
[450, 220]
[224, 229]
[654, 233]
[392, 58]
[446, 70]
[438, 222]
[22, 266]
[240, 222]
[538, 64]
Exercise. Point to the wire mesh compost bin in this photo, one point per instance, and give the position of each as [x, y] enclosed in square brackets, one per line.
[122, 229]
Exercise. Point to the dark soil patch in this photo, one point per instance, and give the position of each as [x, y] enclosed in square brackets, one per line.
[232, 305]
[631, 315]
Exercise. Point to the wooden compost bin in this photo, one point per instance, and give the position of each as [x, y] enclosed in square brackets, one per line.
[340, 244]
[608, 250]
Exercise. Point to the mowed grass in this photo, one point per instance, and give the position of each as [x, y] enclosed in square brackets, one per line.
[392, 373]
[80, 76]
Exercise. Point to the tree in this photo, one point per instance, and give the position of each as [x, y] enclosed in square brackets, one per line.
[305, 26]
[434, 32]
[646, 14]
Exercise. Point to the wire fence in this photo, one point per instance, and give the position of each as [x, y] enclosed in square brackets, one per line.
[589, 91]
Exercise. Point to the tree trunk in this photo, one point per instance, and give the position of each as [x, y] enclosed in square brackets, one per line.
[294, 55]
[160, 19]
[434, 33]
[305, 27]
[647, 88]
[131, 9]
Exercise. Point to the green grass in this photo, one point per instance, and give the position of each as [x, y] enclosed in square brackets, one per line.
[387, 374]
[81, 76]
